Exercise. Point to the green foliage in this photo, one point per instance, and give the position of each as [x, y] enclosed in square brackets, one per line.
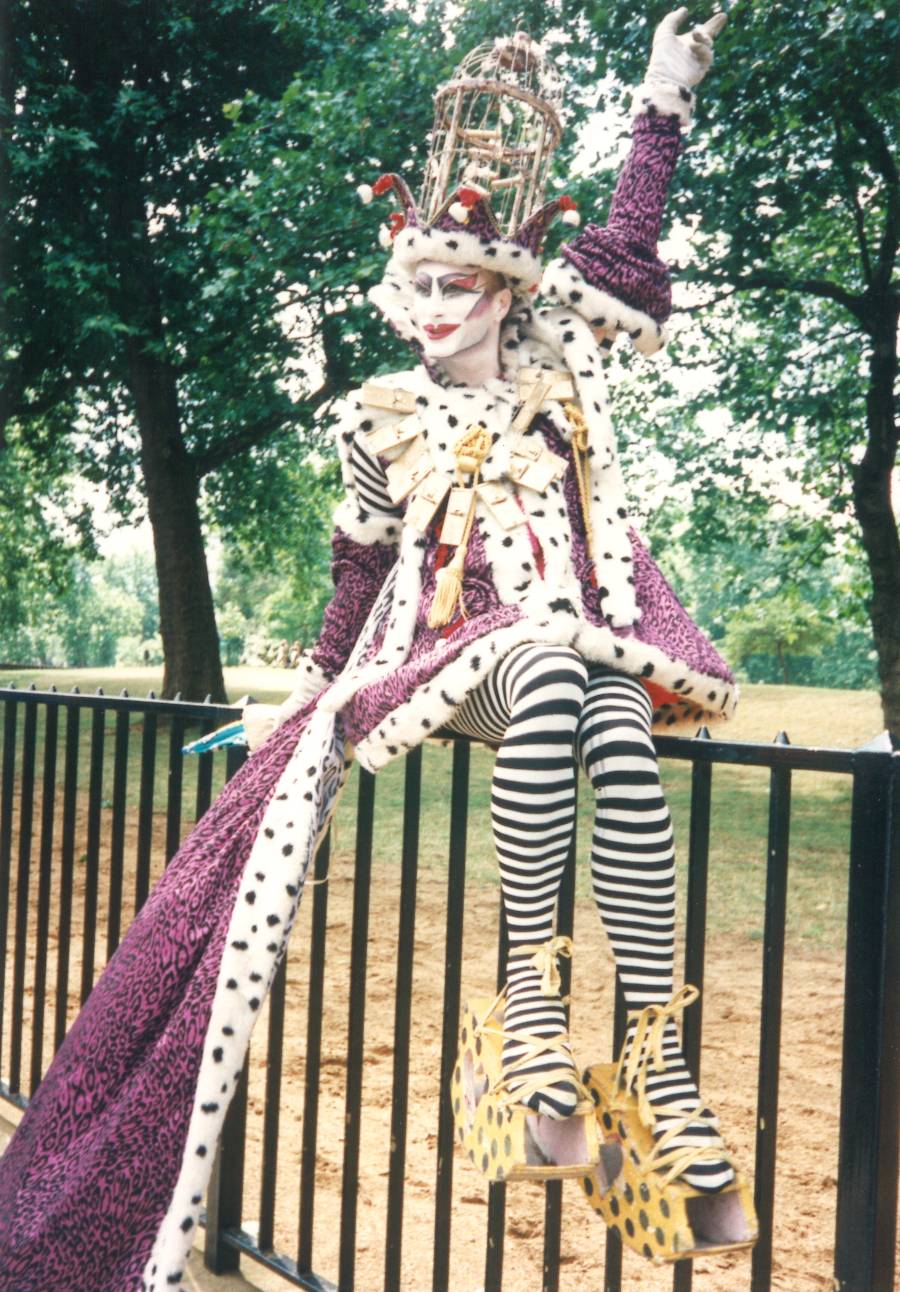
[782, 625]
[103, 613]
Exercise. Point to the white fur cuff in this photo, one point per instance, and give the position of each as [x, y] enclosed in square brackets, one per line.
[563, 284]
[668, 97]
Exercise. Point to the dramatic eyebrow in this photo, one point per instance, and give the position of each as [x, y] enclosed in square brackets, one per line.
[469, 281]
[423, 278]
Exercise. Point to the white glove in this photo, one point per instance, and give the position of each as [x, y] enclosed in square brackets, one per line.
[677, 64]
[683, 59]
[260, 720]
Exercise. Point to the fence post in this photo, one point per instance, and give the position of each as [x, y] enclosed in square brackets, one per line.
[870, 1083]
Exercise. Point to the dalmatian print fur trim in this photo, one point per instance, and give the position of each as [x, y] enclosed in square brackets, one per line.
[267, 901]
[562, 282]
[458, 247]
[667, 97]
[398, 633]
[437, 700]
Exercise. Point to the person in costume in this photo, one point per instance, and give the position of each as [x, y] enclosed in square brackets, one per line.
[487, 579]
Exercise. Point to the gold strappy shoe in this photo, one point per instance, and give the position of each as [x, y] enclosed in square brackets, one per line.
[652, 1209]
[504, 1138]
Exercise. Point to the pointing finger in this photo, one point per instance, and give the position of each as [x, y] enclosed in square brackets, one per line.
[714, 25]
[673, 20]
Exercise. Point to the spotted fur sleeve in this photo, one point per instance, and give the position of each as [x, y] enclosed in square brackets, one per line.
[613, 275]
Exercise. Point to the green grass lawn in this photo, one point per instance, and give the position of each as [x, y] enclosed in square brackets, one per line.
[820, 817]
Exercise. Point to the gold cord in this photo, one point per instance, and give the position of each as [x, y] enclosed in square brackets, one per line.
[575, 418]
[471, 449]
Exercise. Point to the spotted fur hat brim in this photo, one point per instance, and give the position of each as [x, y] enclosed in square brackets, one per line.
[517, 264]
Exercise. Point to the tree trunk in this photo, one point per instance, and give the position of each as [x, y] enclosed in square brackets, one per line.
[782, 659]
[187, 619]
[872, 501]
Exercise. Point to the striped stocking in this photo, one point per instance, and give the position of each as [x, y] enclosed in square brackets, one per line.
[633, 876]
[530, 706]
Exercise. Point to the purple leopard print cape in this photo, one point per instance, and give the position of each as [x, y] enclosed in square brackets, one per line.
[100, 1187]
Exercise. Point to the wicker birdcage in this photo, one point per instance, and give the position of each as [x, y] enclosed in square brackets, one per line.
[496, 126]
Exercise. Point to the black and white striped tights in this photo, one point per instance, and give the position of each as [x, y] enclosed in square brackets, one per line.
[544, 707]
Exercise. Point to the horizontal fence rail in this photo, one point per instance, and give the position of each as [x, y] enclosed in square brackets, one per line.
[95, 797]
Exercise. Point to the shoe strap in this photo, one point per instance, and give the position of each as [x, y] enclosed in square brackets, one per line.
[543, 960]
[530, 1083]
[635, 1061]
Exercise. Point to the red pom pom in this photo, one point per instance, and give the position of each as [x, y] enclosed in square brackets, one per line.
[567, 204]
[469, 197]
[398, 222]
[382, 185]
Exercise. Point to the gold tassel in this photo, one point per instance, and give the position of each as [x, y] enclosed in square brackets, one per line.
[471, 449]
[448, 589]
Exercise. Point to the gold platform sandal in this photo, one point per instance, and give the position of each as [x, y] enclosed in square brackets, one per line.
[504, 1138]
[654, 1211]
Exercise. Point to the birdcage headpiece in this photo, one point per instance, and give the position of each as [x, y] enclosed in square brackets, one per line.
[496, 126]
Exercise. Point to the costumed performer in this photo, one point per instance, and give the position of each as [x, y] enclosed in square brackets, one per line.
[486, 578]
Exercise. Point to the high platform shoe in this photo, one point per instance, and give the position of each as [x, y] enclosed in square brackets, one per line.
[648, 1203]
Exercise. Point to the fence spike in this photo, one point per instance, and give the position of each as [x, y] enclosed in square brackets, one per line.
[781, 739]
[32, 686]
[176, 697]
[11, 686]
[53, 688]
[100, 690]
[207, 699]
[703, 734]
[76, 690]
[124, 694]
[151, 695]
[883, 743]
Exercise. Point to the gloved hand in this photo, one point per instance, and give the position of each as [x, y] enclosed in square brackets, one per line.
[677, 64]
[683, 59]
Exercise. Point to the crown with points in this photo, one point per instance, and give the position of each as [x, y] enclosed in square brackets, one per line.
[496, 127]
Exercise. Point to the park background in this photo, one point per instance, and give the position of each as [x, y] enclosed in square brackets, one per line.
[184, 274]
[183, 268]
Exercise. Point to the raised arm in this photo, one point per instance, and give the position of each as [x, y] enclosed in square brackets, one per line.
[612, 274]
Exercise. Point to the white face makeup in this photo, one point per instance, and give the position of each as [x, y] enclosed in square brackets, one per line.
[453, 309]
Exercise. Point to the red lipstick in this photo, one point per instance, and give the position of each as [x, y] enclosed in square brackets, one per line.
[435, 331]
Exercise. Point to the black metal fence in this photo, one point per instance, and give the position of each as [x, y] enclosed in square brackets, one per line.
[113, 798]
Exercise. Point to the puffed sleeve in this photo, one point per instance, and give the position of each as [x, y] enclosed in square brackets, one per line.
[612, 274]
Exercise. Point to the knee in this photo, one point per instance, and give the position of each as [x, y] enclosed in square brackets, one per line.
[553, 677]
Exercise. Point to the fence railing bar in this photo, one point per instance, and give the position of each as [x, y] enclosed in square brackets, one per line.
[272, 1116]
[92, 867]
[45, 883]
[225, 1195]
[7, 796]
[23, 881]
[453, 944]
[145, 811]
[870, 1084]
[315, 997]
[117, 832]
[176, 783]
[778, 849]
[66, 872]
[409, 863]
[239, 1242]
[553, 1189]
[496, 1206]
[204, 778]
[695, 941]
[362, 880]
[186, 710]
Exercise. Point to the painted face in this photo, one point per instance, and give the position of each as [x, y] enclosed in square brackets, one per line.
[454, 310]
